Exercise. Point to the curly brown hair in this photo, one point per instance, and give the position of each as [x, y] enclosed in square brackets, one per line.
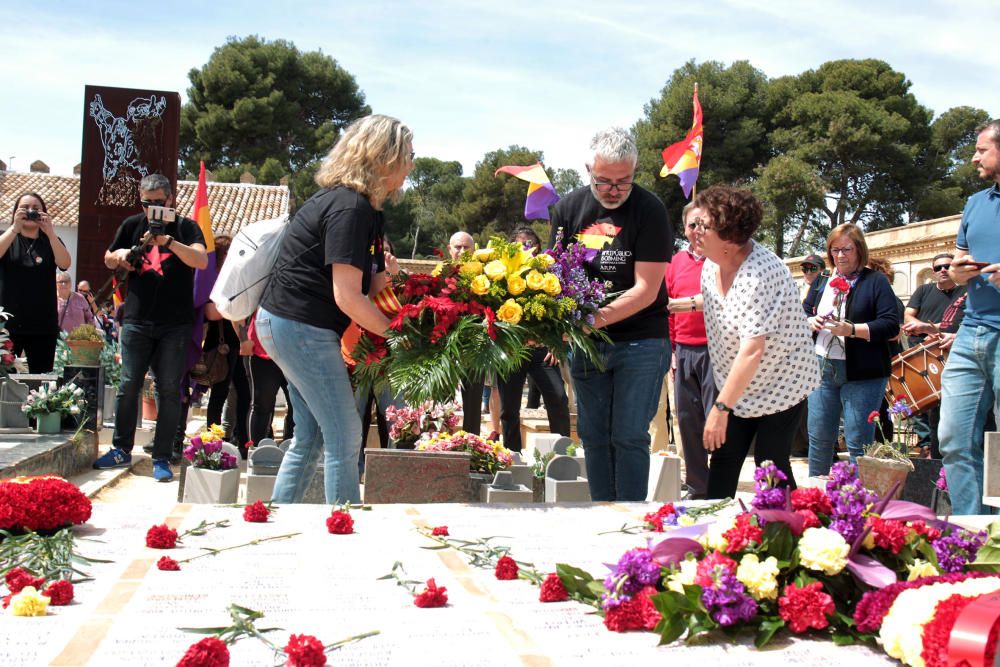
[735, 213]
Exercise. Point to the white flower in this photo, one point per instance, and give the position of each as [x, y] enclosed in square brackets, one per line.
[823, 550]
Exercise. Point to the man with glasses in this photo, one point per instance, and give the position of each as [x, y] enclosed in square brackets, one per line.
[83, 287]
[158, 315]
[626, 227]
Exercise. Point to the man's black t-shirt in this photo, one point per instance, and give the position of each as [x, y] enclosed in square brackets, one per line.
[636, 231]
[930, 303]
[161, 290]
[28, 274]
[335, 226]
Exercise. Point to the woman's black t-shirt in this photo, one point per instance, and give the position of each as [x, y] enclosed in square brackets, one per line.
[335, 226]
[28, 286]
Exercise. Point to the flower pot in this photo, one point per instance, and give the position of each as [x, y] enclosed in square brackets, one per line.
[211, 486]
[405, 443]
[537, 489]
[50, 422]
[880, 475]
[85, 352]
[149, 411]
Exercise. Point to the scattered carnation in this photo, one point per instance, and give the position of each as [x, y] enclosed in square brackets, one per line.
[28, 603]
[59, 592]
[305, 651]
[17, 578]
[432, 596]
[639, 613]
[161, 537]
[440, 531]
[553, 589]
[256, 513]
[806, 607]
[167, 564]
[340, 523]
[209, 652]
[506, 569]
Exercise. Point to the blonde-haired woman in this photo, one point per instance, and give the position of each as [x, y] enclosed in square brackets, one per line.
[330, 260]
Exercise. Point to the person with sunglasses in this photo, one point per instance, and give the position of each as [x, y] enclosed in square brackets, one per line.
[814, 272]
[158, 315]
[30, 253]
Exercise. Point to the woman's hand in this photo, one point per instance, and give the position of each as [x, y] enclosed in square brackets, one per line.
[816, 322]
[838, 327]
[391, 264]
[714, 435]
[45, 224]
[685, 304]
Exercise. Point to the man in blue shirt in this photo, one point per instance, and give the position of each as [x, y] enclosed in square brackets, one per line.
[970, 384]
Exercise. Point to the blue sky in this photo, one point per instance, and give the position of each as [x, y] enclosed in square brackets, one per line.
[469, 76]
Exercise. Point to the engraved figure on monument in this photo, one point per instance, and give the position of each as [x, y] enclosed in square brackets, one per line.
[125, 141]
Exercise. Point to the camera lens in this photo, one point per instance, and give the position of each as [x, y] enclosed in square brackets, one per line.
[32, 214]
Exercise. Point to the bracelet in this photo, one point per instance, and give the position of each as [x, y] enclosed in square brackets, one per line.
[853, 331]
[170, 239]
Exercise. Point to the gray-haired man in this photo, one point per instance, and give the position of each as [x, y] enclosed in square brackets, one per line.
[628, 228]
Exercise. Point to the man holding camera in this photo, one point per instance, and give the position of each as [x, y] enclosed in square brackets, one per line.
[159, 252]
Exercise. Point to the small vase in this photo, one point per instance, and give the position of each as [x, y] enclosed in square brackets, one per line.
[880, 475]
[149, 411]
[211, 486]
[405, 443]
[49, 422]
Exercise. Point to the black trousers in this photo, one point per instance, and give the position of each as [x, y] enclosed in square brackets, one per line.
[549, 382]
[472, 406]
[40, 349]
[773, 433]
[265, 379]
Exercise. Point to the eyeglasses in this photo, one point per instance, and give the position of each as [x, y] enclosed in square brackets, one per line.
[942, 267]
[809, 268]
[698, 223]
[608, 187]
[62, 282]
[413, 154]
[146, 203]
[841, 251]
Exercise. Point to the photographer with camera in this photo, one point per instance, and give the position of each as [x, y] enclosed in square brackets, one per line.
[158, 251]
[30, 253]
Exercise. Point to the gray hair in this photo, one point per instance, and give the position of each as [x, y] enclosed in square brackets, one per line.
[156, 182]
[615, 144]
[993, 125]
[63, 274]
[690, 206]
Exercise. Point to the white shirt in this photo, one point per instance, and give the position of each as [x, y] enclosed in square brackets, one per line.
[762, 301]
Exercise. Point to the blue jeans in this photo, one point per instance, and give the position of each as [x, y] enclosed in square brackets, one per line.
[162, 348]
[835, 395]
[970, 386]
[326, 418]
[614, 409]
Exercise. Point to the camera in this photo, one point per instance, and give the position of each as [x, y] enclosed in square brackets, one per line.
[158, 217]
[33, 214]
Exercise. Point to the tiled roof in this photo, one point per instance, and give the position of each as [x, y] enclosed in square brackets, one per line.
[232, 205]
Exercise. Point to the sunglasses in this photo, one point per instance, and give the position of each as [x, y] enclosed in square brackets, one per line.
[809, 268]
[146, 203]
[942, 267]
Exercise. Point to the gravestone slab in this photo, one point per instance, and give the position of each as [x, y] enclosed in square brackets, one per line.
[542, 442]
[991, 470]
[920, 484]
[262, 467]
[563, 482]
[410, 476]
[664, 478]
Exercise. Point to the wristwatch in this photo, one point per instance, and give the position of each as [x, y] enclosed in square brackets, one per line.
[722, 407]
[170, 239]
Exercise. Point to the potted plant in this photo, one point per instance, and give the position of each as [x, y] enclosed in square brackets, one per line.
[213, 476]
[85, 343]
[407, 424]
[50, 403]
[885, 464]
[538, 475]
[487, 456]
[12, 392]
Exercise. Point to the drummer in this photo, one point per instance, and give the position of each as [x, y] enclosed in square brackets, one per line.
[923, 318]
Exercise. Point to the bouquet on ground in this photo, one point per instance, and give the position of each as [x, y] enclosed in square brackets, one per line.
[41, 504]
[65, 400]
[476, 317]
[487, 456]
[407, 423]
[205, 450]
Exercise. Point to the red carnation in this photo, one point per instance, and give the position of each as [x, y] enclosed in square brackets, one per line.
[889, 534]
[811, 499]
[639, 613]
[256, 513]
[60, 593]
[553, 589]
[41, 503]
[305, 651]
[743, 534]
[654, 522]
[17, 578]
[432, 596]
[806, 607]
[506, 568]
[810, 519]
[937, 633]
[872, 416]
[209, 652]
[167, 564]
[6, 600]
[440, 530]
[340, 523]
[840, 284]
[708, 566]
[921, 528]
[161, 537]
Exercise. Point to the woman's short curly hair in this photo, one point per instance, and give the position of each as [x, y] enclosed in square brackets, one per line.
[735, 213]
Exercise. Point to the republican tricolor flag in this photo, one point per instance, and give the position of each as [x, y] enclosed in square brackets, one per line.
[541, 194]
[204, 279]
[683, 159]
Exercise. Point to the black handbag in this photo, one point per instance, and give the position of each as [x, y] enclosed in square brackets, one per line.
[212, 366]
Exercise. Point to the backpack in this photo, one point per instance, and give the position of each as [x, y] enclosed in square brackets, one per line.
[248, 266]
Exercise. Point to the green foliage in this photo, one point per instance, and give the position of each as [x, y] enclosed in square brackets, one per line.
[86, 332]
[493, 202]
[951, 175]
[267, 108]
[425, 218]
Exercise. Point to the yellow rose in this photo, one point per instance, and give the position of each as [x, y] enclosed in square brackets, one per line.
[29, 603]
[921, 569]
[683, 577]
[535, 280]
[472, 268]
[495, 270]
[761, 579]
[551, 284]
[823, 550]
[509, 312]
[480, 285]
[437, 269]
[714, 537]
[546, 260]
[515, 285]
[685, 520]
[483, 254]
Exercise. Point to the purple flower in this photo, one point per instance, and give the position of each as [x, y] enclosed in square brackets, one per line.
[942, 481]
[727, 601]
[190, 451]
[635, 570]
[228, 461]
[849, 499]
[213, 447]
[768, 494]
[958, 548]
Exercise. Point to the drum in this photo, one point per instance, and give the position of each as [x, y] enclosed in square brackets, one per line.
[916, 375]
